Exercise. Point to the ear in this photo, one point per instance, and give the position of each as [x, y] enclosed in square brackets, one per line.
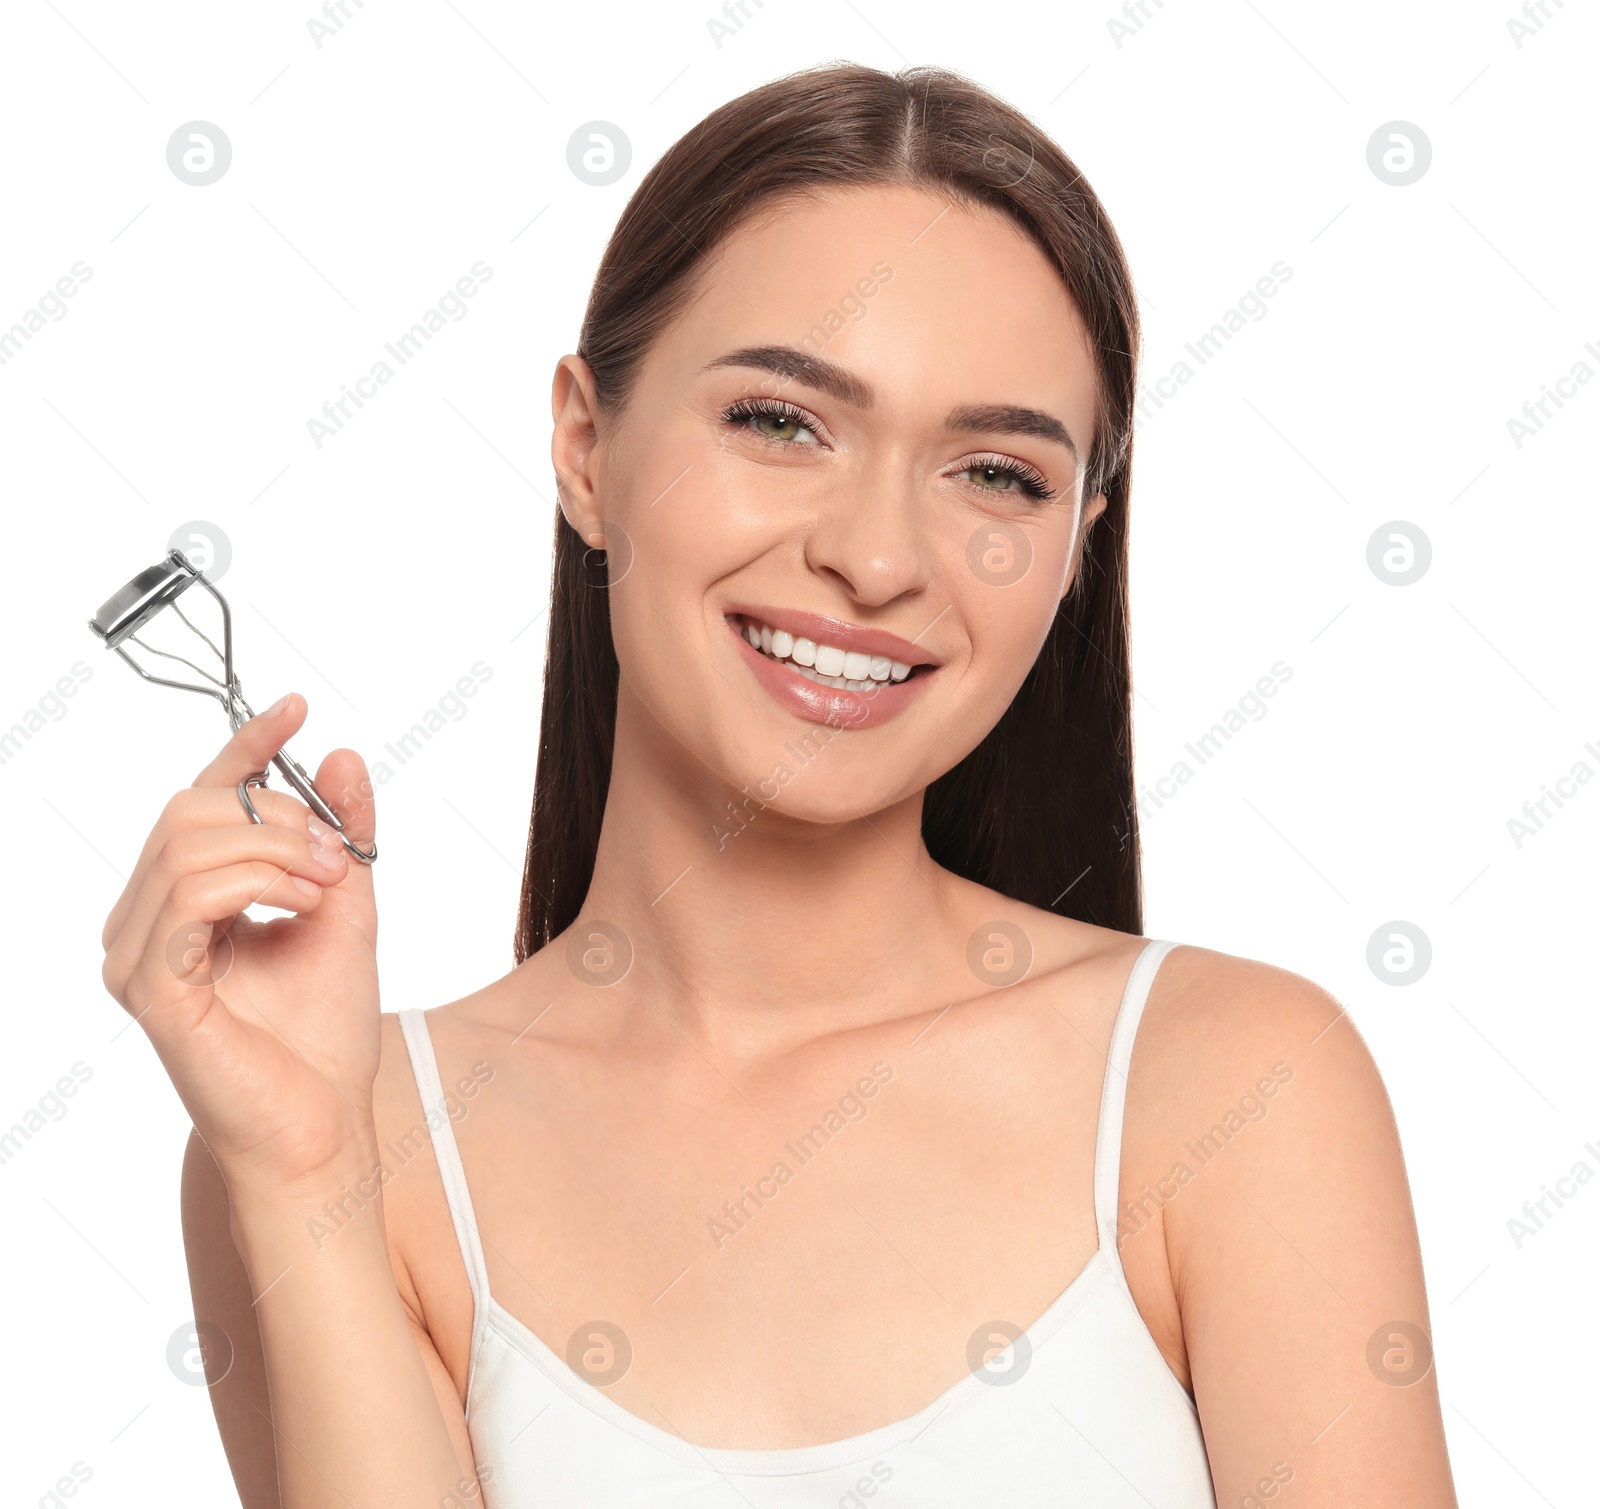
[573, 448]
[1091, 511]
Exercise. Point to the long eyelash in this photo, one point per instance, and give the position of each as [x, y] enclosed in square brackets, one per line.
[742, 409]
[1030, 479]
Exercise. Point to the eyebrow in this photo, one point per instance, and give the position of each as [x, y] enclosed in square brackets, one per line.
[838, 382]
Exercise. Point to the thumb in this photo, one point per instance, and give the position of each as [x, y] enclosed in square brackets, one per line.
[346, 786]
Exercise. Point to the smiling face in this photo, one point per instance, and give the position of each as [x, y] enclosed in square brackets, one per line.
[844, 497]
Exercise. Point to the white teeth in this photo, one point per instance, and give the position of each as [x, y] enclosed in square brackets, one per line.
[844, 683]
[830, 660]
[826, 664]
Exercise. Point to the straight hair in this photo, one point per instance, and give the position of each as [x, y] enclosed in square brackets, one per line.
[1044, 808]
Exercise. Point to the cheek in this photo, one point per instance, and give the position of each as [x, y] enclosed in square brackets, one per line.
[1014, 557]
[1006, 587]
[681, 538]
[695, 509]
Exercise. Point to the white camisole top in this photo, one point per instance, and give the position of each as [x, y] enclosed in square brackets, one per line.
[1080, 1410]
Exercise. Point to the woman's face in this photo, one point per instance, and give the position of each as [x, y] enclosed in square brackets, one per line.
[863, 443]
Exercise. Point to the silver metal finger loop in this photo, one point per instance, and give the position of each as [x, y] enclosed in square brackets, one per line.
[258, 779]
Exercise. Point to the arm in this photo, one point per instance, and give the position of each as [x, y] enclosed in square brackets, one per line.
[270, 1032]
[240, 1399]
[1292, 1247]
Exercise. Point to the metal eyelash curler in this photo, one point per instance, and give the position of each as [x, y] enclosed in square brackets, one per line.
[131, 607]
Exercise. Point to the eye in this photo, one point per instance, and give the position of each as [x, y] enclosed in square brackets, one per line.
[773, 419]
[1001, 474]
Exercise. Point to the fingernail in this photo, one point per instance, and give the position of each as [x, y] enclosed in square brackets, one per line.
[326, 845]
[310, 887]
[277, 707]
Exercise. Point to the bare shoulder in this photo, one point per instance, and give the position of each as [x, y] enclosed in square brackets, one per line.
[422, 1244]
[1264, 1201]
[1236, 1053]
[1218, 1028]
[456, 1036]
[394, 1091]
[1260, 1145]
[405, 1120]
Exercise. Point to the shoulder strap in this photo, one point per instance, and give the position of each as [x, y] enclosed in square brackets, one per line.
[425, 1067]
[1114, 1092]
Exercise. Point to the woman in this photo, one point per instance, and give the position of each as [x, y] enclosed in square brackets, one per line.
[838, 1135]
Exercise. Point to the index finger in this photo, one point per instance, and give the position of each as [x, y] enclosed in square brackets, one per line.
[254, 743]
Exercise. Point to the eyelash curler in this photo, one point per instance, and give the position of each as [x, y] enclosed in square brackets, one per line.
[131, 607]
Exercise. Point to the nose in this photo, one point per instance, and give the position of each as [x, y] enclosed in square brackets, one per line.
[870, 536]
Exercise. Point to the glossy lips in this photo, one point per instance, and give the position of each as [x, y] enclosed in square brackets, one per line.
[882, 673]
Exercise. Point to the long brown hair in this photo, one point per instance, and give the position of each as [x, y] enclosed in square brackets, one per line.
[1043, 809]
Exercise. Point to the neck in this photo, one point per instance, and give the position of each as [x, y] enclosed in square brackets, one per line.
[751, 927]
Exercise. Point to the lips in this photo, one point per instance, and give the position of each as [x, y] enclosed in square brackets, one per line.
[860, 702]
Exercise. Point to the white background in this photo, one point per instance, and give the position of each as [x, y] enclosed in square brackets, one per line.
[371, 172]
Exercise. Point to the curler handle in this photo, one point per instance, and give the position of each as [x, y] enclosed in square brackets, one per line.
[295, 774]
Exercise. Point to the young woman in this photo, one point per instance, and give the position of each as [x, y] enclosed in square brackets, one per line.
[837, 1136]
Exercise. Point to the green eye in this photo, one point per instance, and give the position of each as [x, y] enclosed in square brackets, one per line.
[994, 474]
[772, 419]
[778, 426]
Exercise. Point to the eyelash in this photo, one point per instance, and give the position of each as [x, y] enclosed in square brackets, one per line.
[744, 409]
[1030, 480]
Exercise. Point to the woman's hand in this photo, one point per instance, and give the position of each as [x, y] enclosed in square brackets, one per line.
[268, 1030]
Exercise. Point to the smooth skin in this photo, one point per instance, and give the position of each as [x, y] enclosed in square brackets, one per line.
[770, 971]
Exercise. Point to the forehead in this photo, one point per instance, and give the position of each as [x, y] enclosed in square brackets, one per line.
[920, 294]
